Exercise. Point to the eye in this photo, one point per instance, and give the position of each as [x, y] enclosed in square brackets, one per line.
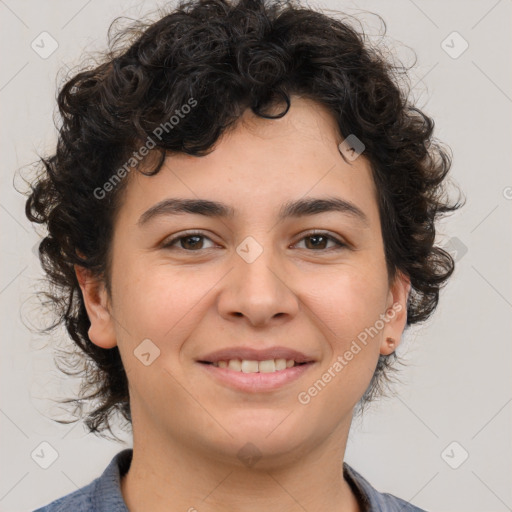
[319, 239]
[194, 241]
[189, 241]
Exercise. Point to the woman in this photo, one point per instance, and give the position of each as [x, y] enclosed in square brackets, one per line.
[241, 219]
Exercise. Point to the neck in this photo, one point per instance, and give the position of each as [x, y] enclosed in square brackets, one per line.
[170, 476]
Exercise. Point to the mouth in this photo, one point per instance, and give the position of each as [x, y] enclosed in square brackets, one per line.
[254, 366]
[256, 371]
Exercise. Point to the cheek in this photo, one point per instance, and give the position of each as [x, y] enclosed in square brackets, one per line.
[347, 300]
[345, 311]
[158, 301]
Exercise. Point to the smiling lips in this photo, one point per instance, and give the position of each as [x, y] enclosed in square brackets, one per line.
[256, 370]
[252, 366]
[249, 360]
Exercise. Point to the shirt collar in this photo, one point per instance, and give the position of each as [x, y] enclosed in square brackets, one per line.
[108, 496]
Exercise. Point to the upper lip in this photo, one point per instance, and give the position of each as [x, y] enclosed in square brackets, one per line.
[252, 354]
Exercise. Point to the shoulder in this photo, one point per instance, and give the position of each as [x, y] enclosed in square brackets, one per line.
[102, 495]
[372, 499]
[80, 500]
[391, 503]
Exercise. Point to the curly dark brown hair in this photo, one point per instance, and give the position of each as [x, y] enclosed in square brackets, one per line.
[229, 56]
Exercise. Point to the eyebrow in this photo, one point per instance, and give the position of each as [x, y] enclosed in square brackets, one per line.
[298, 208]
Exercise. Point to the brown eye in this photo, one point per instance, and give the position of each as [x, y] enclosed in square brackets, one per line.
[319, 242]
[190, 242]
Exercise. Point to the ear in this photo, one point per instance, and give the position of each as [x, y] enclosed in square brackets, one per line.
[94, 293]
[395, 318]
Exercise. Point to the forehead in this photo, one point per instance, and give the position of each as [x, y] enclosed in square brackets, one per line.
[259, 164]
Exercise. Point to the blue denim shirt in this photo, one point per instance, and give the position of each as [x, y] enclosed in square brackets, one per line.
[104, 493]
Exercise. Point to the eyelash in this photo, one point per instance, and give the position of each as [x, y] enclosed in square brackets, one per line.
[340, 245]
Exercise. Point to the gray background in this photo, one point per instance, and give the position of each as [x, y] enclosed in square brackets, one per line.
[457, 387]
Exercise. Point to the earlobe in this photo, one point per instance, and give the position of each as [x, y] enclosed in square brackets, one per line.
[96, 301]
[396, 314]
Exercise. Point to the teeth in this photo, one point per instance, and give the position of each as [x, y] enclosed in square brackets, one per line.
[267, 366]
[247, 366]
[235, 364]
[282, 364]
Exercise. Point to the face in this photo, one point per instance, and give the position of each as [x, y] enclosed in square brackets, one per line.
[263, 282]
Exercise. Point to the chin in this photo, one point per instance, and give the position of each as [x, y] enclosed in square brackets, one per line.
[262, 444]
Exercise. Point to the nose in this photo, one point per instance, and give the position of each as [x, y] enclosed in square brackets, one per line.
[257, 292]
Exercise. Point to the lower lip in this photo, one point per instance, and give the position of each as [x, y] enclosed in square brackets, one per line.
[256, 382]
